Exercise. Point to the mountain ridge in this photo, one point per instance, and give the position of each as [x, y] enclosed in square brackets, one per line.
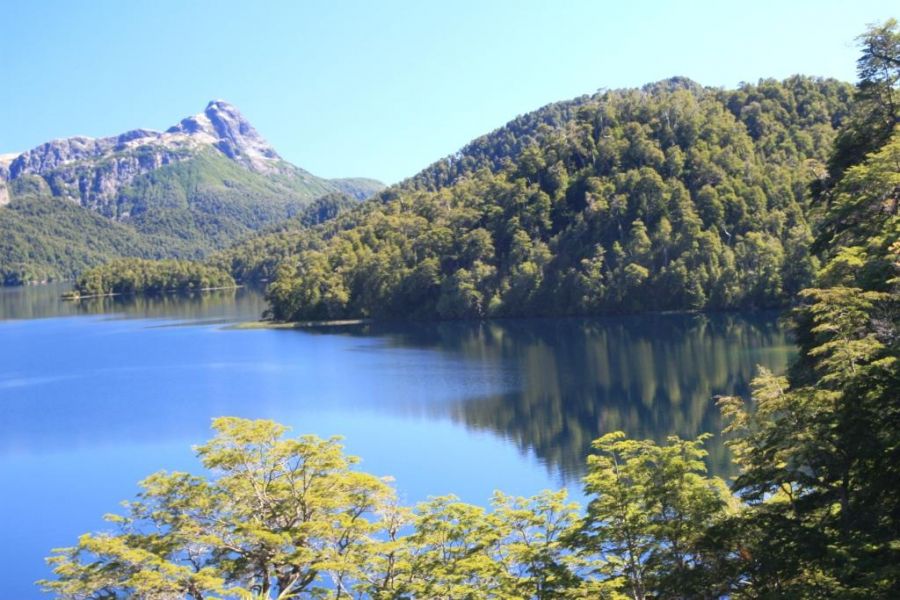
[197, 186]
[93, 170]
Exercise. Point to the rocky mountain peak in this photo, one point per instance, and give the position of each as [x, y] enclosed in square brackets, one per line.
[231, 133]
[93, 171]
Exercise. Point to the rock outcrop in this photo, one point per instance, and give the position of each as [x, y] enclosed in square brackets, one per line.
[5, 159]
[222, 125]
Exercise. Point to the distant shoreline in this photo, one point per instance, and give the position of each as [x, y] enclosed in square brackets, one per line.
[307, 324]
[298, 324]
[75, 296]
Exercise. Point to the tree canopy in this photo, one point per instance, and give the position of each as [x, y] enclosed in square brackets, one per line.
[672, 196]
[139, 276]
[282, 517]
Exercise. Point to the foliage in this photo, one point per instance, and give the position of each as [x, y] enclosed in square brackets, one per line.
[256, 259]
[670, 197]
[280, 517]
[51, 239]
[818, 451]
[212, 200]
[875, 108]
[277, 517]
[648, 523]
[138, 276]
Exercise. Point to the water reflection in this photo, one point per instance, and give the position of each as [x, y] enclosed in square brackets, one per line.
[571, 380]
[42, 301]
[549, 386]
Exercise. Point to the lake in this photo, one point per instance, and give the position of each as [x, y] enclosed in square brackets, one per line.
[95, 396]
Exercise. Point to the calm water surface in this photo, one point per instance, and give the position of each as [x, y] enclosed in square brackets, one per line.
[93, 397]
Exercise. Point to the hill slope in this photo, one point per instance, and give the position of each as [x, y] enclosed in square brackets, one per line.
[672, 196]
[198, 186]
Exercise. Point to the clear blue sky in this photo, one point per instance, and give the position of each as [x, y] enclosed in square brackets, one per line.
[383, 88]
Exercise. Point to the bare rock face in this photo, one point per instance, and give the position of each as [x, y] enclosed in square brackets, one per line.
[231, 134]
[4, 177]
[92, 171]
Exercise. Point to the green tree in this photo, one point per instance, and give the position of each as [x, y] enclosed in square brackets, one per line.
[818, 450]
[649, 509]
[876, 108]
[277, 518]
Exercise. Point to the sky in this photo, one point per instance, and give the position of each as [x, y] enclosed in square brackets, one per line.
[383, 88]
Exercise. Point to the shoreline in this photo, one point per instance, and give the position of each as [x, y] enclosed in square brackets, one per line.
[269, 324]
[75, 297]
[263, 324]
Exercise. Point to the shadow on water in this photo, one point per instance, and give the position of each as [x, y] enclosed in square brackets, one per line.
[575, 379]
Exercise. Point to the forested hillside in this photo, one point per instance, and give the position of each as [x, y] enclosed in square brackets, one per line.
[257, 259]
[673, 196]
[48, 238]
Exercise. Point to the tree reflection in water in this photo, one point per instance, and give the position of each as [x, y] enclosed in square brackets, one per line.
[572, 380]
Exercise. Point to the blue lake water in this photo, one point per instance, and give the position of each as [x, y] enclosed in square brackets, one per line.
[93, 397]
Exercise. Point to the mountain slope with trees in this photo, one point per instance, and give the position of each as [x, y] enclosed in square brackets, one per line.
[673, 196]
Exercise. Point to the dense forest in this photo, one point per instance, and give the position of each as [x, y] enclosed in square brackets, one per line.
[140, 276]
[46, 238]
[49, 238]
[813, 513]
[673, 196]
[256, 259]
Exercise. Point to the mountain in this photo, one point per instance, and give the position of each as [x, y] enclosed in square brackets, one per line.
[200, 185]
[669, 197]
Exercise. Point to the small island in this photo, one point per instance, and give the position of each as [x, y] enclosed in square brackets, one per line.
[131, 276]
